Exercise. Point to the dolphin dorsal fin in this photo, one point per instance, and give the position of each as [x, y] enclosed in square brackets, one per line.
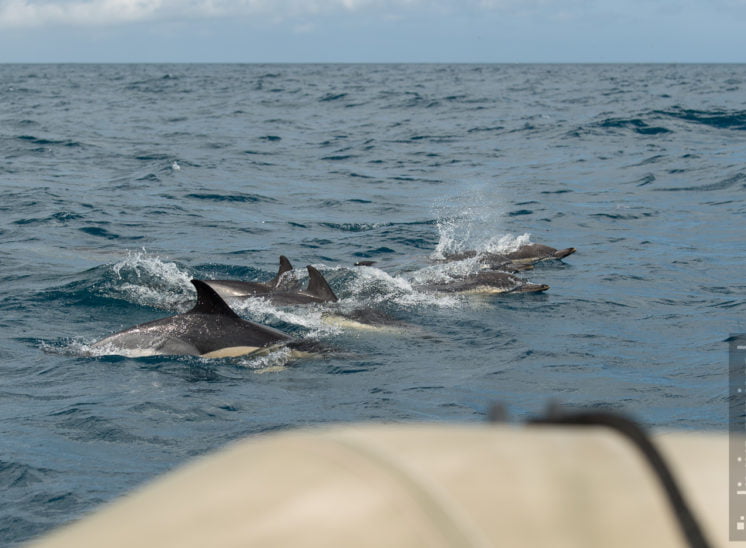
[285, 266]
[318, 286]
[209, 302]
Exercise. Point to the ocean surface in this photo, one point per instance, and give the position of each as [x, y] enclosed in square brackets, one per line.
[120, 183]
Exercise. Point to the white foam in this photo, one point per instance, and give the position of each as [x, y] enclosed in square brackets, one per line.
[372, 286]
[150, 281]
[273, 360]
[455, 238]
[263, 311]
[369, 281]
[79, 348]
[467, 220]
[473, 220]
[450, 239]
[359, 287]
[73, 348]
[506, 243]
[115, 350]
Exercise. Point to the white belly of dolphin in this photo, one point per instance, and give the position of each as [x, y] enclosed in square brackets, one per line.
[347, 323]
[484, 290]
[231, 352]
[256, 351]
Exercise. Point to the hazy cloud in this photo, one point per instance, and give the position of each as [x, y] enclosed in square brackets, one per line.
[34, 13]
[19, 13]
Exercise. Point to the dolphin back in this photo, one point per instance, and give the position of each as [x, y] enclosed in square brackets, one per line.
[209, 302]
[318, 286]
[138, 342]
[285, 266]
[209, 328]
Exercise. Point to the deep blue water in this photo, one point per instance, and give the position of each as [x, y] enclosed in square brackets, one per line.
[122, 182]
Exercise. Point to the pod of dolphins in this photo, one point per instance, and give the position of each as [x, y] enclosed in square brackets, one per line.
[211, 329]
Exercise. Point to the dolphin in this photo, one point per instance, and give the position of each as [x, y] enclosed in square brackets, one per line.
[235, 288]
[318, 290]
[488, 261]
[365, 319]
[512, 260]
[498, 261]
[488, 281]
[532, 253]
[210, 329]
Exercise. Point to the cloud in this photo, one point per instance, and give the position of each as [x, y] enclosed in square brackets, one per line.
[35, 13]
[21, 13]
[66, 13]
[30, 13]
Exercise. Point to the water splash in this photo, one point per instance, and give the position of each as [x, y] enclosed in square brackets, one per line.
[459, 234]
[78, 347]
[506, 243]
[370, 282]
[468, 221]
[371, 286]
[263, 311]
[112, 349]
[357, 288]
[147, 280]
[453, 233]
[274, 360]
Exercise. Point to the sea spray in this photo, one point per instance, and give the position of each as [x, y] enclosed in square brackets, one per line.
[506, 243]
[468, 221]
[148, 280]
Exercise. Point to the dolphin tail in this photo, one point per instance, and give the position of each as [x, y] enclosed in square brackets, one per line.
[209, 302]
[319, 287]
[285, 266]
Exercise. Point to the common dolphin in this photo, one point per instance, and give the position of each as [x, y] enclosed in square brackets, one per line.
[510, 260]
[489, 261]
[365, 319]
[488, 281]
[318, 290]
[497, 261]
[537, 252]
[210, 329]
[235, 288]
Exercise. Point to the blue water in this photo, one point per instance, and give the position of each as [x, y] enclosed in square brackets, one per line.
[122, 182]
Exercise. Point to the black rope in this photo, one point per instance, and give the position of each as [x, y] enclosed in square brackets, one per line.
[635, 433]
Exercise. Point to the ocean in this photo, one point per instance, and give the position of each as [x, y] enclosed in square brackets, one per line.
[121, 183]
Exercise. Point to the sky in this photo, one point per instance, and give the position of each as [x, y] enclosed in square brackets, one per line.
[371, 31]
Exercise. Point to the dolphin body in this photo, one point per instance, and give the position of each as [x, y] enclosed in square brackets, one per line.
[488, 281]
[210, 329]
[236, 288]
[513, 261]
[488, 261]
[532, 253]
[318, 290]
[365, 319]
